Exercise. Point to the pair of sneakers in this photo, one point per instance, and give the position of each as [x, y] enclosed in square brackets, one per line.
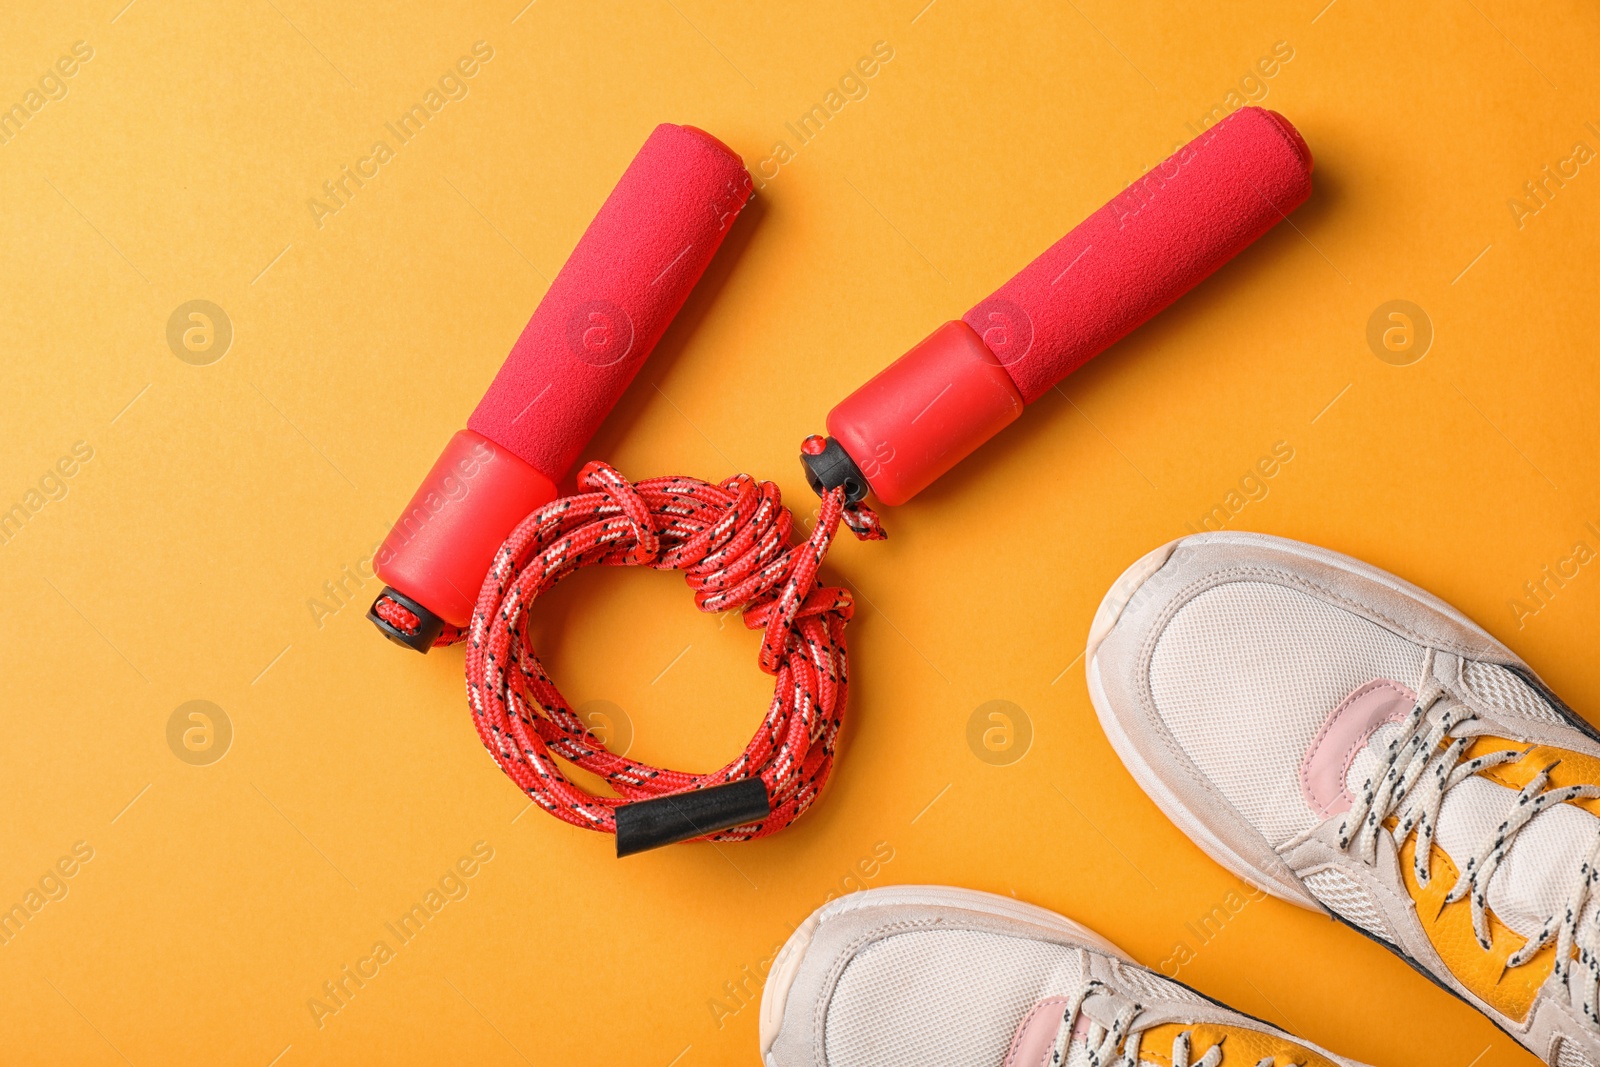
[1326, 731]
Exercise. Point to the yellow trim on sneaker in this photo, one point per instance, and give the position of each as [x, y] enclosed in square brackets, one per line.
[1239, 1046]
[1570, 768]
[1449, 926]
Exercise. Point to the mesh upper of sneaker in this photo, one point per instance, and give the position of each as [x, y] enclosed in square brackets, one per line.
[942, 996]
[956, 996]
[1499, 689]
[1245, 674]
[1570, 1055]
[948, 995]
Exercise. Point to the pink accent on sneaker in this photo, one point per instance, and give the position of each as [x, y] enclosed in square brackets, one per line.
[1035, 1039]
[1345, 733]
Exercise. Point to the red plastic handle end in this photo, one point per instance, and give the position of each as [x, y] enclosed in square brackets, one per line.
[440, 548]
[925, 412]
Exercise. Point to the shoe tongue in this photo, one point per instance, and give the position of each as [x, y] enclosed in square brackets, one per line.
[1537, 876]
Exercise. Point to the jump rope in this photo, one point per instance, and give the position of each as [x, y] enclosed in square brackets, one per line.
[487, 532]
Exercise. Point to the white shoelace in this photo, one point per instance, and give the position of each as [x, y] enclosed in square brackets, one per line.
[1412, 782]
[1117, 1045]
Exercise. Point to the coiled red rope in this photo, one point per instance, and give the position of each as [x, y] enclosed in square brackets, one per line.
[731, 540]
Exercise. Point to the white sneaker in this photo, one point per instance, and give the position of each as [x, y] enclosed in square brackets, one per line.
[1351, 744]
[927, 976]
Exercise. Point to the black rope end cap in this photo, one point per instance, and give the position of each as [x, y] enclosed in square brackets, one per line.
[429, 625]
[829, 466]
[647, 824]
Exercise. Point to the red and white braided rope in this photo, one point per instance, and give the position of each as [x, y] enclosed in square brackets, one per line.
[731, 540]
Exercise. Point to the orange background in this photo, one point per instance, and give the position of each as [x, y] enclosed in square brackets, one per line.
[182, 562]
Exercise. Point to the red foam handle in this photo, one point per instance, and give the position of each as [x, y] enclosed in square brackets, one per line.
[615, 296]
[1151, 244]
[628, 276]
